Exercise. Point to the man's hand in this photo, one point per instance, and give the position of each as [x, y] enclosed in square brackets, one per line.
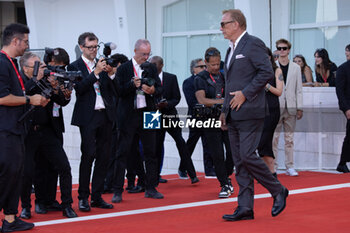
[137, 82]
[54, 83]
[162, 105]
[41, 71]
[147, 89]
[100, 66]
[222, 118]
[237, 100]
[299, 114]
[38, 100]
[67, 93]
[347, 114]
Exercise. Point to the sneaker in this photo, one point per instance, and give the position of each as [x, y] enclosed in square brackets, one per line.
[17, 225]
[291, 172]
[225, 191]
[182, 174]
[230, 185]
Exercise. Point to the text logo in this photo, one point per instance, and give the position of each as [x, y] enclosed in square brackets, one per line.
[151, 120]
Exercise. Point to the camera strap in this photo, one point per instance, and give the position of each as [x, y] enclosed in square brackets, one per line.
[213, 79]
[16, 70]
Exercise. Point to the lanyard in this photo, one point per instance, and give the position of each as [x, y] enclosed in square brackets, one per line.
[135, 70]
[212, 79]
[17, 73]
[87, 67]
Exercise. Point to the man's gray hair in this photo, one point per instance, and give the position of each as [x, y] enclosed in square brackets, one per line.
[140, 42]
[194, 62]
[24, 59]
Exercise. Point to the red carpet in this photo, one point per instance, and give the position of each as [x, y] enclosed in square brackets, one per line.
[320, 211]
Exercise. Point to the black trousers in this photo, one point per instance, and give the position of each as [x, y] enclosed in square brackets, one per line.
[134, 164]
[11, 168]
[345, 152]
[185, 156]
[112, 159]
[47, 150]
[95, 146]
[191, 143]
[229, 164]
[148, 139]
[216, 150]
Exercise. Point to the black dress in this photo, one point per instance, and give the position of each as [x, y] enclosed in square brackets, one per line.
[270, 123]
[331, 77]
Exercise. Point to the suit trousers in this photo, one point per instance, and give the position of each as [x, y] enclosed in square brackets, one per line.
[191, 143]
[44, 145]
[11, 168]
[127, 137]
[244, 138]
[176, 134]
[134, 165]
[95, 146]
[345, 152]
[288, 122]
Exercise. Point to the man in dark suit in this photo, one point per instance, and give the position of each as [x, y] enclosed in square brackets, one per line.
[45, 142]
[342, 86]
[196, 66]
[247, 70]
[135, 99]
[94, 113]
[170, 98]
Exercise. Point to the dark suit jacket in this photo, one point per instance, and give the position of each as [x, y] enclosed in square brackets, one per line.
[189, 91]
[127, 93]
[57, 123]
[171, 92]
[86, 95]
[342, 84]
[249, 71]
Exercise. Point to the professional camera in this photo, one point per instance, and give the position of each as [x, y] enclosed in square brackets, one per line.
[203, 112]
[107, 50]
[148, 74]
[65, 78]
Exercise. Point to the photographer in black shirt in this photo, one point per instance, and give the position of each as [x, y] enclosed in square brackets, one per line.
[209, 85]
[12, 100]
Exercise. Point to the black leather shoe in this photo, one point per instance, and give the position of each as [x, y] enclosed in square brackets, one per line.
[136, 189]
[84, 205]
[182, 174]
[129, 187]
[153, 193]
[342, 168]
[40, 208]
[279, 202]
[17, 225]
[161, 180]
[194, 180]
[117, 198]
[54, 206]
[25, 214]
[69, 212]
[101, 204]
[241, 213]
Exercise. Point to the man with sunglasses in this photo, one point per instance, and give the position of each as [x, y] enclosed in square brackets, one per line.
[94, 113]
[247, 69]
[291, 103]
[196, 66]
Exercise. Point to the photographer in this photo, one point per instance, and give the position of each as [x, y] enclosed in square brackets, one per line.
[13, 99]
[94, 114]
[171, 97]
[44, 143]
[210, 85]
[139, 86]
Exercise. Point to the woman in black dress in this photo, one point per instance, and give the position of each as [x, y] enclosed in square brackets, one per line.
[273, 90]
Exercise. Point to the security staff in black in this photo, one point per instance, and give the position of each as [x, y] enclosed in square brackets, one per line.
[209, 85]
[45, 140]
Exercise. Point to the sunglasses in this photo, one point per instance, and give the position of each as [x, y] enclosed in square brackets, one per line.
[282, 48]
[201, 66]
[222, 24]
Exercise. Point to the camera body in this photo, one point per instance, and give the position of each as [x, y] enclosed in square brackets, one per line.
[148, 74]
[201, 111]
[107, 50]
